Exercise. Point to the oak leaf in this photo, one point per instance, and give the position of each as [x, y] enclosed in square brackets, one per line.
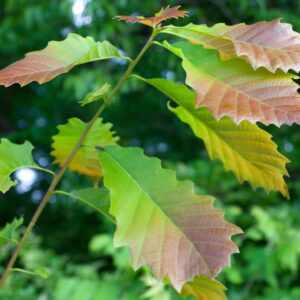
[163, 15]
[85, 160]
[57, 58]
[245, 149]
[203, 288]
[272, 45]
[232, 88]
[13, 157]
[164, 223]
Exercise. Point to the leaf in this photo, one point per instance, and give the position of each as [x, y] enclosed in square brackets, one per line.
[7, 234]
[12, 158]
[96, 95]
[86, 288]
[86, 159]
[231, 88]
[177, 233]
[96, 198]
[203, 288]
[57, 58]
[245, 149]
[40, 272]
[155, 289]
[272, 45]
[163, 15]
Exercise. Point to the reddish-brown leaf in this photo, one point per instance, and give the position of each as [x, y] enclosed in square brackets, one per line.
[55, 59]
[272, 45]
[232, 88]
[241, 148]
[163, 15]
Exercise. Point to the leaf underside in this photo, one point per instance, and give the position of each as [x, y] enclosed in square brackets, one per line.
[163, 15]
[14, 157]
[245, 149]
[232, 88]
[55, 59]
[86, 159]
[177, 233]
[272, 45]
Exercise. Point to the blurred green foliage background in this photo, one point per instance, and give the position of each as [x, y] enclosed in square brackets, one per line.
[73, 242]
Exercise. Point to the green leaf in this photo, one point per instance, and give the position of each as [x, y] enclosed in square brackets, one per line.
[96, 95]
[96, 198]
[245, 149]
[42, 272]
[103, 244]
[203, 288]
[232, 88]
[75, 288]
[156, 289]
[164, 223]
[86, 159]
[7, 234]
[57, 58]
[14, 157]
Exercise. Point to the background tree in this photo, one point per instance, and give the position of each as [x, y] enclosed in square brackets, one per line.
[267, 267]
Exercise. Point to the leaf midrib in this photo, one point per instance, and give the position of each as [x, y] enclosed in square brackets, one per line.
[157, 206]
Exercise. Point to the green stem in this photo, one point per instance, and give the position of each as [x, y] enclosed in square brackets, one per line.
[31, 273]
[64, 167]
[40, 169]
[85, 202]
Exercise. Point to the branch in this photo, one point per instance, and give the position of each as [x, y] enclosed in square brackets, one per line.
[61, 172]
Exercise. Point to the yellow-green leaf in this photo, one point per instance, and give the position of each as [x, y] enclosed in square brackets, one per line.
[245, 149]
[86, 159]
[203, 288]
[96, 95]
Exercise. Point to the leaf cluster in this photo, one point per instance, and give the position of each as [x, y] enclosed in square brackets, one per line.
[239, 75]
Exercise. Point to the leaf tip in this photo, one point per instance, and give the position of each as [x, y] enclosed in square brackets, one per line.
[163, 15]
